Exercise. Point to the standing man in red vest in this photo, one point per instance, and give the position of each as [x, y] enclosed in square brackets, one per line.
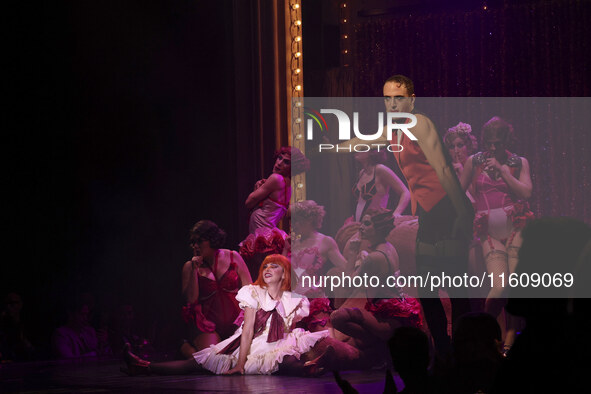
[445, 213]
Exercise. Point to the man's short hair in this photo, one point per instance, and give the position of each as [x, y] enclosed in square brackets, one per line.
[402, 80]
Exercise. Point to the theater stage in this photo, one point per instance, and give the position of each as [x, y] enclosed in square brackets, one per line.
[103, 376]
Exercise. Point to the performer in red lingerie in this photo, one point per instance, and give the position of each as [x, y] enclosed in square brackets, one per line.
[211, 280]
[502, 183]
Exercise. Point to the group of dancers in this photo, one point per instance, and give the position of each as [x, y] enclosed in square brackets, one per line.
[236, 325]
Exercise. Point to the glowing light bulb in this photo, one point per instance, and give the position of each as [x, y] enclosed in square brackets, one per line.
[297, 39]
[297, 71]
[297, 54]
[295, 6]
[298, 87]
[298, 23]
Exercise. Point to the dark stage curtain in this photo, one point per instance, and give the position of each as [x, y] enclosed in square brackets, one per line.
[524, 50]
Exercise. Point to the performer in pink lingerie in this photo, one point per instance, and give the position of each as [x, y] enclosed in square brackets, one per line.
[312, 252]
[211, 280]
[374, 324]
[269, 203]
[270, 199]
[502, 184]
[371, 191]
[374, 183]
[461, 143]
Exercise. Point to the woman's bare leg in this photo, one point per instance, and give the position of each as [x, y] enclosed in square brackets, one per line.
[138, 366]
[200, 342]
[496, 260]
[513, 322]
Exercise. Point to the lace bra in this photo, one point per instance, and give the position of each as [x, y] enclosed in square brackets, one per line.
[368, 190]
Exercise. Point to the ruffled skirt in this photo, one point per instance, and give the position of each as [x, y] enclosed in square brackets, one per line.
[264, 357]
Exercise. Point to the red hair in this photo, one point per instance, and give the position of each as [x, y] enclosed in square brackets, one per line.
[284, 263]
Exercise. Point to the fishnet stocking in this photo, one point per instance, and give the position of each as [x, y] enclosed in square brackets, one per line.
[497, 264]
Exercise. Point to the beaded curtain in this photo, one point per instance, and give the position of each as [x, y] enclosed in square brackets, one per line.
[527, 50]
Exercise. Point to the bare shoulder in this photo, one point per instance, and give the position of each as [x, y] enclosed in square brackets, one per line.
[237, 257]
[274, 182]
[187, 265]
[386, 247]
[382, 169]
[423, 119]
[327, 241]
[276, 179]
[424, 127]
[524, 164]
[378, 256]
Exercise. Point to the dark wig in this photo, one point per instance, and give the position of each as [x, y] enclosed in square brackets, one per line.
[299, 162]
[206, 230]
[382, 220]
[500, 128]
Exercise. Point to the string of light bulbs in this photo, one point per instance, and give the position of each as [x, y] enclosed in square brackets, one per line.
[345, 27]
[297, 91]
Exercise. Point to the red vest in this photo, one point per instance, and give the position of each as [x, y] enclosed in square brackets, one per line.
[422, 180]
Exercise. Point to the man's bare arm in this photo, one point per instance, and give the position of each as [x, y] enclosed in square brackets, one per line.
[430, 144]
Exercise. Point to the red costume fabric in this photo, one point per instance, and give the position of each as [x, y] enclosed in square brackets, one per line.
[423, 183]
[217, 301]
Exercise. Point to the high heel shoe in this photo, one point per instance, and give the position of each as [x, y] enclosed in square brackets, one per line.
[135, 365]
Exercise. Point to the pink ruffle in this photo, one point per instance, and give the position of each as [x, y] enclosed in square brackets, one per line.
[263, 241]
[408, 308]
[317, 306]
[520, 215]
[481, 226]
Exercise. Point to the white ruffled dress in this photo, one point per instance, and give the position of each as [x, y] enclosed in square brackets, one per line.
[264, 357]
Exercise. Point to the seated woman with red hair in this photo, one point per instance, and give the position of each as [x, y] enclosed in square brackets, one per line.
[267, 340]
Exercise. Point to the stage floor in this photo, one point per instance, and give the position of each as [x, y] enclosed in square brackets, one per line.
[103, 376]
